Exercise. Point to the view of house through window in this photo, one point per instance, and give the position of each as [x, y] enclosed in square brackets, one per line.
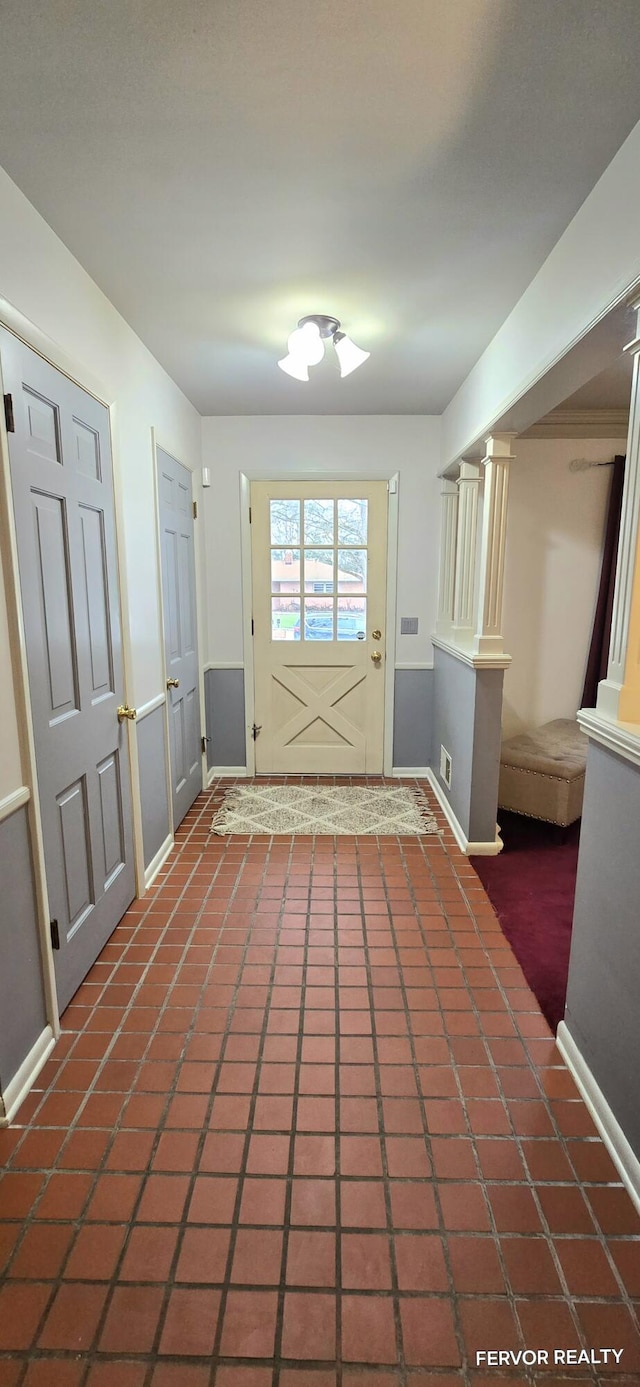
[318, 569]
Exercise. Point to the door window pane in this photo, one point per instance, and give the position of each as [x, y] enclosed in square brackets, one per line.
[352, 570]
[352, 619]
[318, 570]
[285, 618]
[285, 570]
[352, 522]
[318, 522]
[318, 619]
[285, 522]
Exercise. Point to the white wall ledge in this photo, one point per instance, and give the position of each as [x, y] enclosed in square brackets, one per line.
[467, 657]
[621, 737]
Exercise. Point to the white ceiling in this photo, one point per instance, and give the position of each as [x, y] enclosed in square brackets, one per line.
[222, 167]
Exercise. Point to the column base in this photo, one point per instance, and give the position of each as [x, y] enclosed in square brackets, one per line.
[488, 645]
[608, 702]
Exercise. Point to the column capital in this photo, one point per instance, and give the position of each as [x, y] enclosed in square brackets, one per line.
[469, 471]
[448, 486]
[498, 445]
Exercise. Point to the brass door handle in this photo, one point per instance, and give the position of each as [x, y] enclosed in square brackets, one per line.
[376, 657]
[124, 712]
[376, 635]
[173, 683]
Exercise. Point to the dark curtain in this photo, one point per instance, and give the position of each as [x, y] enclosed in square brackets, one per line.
[599, 650]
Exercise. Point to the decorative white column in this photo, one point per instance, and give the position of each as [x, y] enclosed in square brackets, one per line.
[448, 542]
[611, 688]
[466, 544]
[488, 638]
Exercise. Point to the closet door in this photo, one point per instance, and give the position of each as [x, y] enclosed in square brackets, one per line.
[60, 455]
[180, 632]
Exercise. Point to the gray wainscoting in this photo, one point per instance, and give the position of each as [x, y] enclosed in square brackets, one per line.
[153, 782]
[467, 713]
[603, 1006]
[22, 1001]
[225, 717]
[412, 717]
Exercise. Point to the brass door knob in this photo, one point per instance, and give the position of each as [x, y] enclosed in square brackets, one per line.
[124, 712]
[376, 656]
[376, 635]
[173, 683]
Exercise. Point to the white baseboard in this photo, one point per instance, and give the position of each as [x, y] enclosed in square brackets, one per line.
[22, 1082]
[227, 773]
[488, 849]
[410, 772]
[151, 872]
[624, 1159]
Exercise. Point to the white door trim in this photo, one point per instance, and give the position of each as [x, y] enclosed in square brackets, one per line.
[51, 351]
[392, 620]
[285, 475]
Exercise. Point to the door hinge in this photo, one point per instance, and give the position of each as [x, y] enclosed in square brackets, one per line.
[8, 414]
[249, 514]
[257, 727]
[195, 510]
[203, 743]
[252, 628]
[55, 934]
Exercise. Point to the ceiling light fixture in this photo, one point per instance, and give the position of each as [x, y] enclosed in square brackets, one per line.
[305, 347]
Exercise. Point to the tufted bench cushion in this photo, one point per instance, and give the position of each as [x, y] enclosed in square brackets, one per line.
[542, 772]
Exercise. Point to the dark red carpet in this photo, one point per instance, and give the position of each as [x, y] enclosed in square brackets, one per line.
[531, 886]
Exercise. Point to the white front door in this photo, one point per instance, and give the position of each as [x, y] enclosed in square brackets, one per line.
[319, 589]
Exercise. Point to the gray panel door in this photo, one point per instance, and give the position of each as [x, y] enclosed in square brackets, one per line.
[62, 485]
[180, 632]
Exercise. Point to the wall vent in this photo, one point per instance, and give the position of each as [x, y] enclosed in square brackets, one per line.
[445, 766]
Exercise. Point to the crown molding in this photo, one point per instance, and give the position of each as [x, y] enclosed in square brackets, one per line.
[580, 423]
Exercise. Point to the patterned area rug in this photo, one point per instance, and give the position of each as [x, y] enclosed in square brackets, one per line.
[337, 810]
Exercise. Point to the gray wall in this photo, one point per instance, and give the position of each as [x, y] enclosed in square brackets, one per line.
[603, 997]
[225, 717]
[22, 1001]
[412, 717]
[153, 782]
[467, 711]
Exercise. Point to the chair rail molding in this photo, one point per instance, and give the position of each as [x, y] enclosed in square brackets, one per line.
[14, 801]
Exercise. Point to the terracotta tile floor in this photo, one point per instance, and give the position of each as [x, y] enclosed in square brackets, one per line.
[306, 1127]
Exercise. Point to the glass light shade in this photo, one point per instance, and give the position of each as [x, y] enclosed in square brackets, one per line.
[294, 367]
[349, 356]
[306, 344]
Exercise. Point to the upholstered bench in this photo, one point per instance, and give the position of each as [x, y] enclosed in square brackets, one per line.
[542, 772]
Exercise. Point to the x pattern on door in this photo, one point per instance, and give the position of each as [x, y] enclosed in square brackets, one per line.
[320, 714]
